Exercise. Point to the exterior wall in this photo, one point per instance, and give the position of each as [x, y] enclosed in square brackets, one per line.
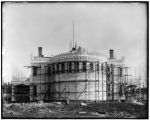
[75, 87]
[61, 86]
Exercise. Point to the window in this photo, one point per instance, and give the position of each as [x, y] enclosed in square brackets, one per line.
[80, 65]
[35, 91]
[88, 66]
[91, 66]
[97, 66]
[94, 66]
[55, 67]
[65, 66]
[84, 66]
[62, 67]
[77, 66]
[72, 66]
[120, 71]
[102, 67]
[34, 71]
[107, 69]
[59, 67]
[49, 70]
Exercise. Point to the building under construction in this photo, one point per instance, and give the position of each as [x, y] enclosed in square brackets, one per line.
[77, 75]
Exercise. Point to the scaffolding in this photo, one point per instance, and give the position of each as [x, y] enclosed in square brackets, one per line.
[115, 82]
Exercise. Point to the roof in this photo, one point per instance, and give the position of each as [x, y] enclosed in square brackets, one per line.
[82, 51]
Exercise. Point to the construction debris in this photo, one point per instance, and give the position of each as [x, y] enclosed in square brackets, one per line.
[83, 104]
[137, 102]
[61, 110]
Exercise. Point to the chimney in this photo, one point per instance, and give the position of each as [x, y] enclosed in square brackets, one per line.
[40, 51]
[111, 52]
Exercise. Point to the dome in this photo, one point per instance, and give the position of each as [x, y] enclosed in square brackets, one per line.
[79, 54]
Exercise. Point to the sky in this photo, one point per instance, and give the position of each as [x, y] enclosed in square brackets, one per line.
[98, 27]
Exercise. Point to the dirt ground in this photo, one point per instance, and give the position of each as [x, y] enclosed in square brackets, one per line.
[62, 110]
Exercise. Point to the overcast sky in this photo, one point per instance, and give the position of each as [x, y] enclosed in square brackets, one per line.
[98, 27]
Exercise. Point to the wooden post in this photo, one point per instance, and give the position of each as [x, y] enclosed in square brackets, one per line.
[31, 92]
[13, 94]
[112, 75]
